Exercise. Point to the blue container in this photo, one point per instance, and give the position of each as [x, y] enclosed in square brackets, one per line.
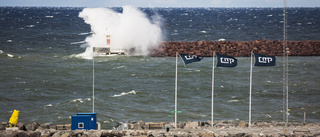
[85, 121]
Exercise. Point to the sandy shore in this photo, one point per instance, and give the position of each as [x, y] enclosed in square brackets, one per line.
[165, 129]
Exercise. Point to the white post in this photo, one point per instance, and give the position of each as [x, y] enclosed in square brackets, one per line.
[176, 93]
[250, 89]
[304, 114]
[212, 89]
[93, 84]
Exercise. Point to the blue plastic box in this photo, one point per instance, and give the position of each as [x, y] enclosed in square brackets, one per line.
[85, 121]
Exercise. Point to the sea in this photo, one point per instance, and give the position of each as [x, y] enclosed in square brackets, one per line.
[42, 76]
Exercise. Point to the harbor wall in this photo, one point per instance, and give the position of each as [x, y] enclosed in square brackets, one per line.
[236, 48]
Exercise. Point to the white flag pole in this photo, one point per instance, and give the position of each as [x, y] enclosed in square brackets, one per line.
[250, 90]
[212, 89]
[176, 93]
[93, 84]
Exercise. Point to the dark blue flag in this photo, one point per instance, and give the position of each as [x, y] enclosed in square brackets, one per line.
[189, 58]
[264, 60]
[226, 61]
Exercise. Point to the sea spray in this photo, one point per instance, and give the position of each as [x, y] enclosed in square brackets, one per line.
[129, 30]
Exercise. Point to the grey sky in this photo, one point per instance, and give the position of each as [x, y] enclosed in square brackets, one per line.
[161, 3]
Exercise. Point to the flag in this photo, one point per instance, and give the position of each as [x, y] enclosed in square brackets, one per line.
[226, 61]
[190, 58]
[264, 60]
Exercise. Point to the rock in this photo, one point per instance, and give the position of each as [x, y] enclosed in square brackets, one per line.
[47, 132]
[53, 127]
[112, 134]
[237, 48]
[20, 134]
[21, 126]
[57, 134]
[91, 133]
[77, 133]
[44, 126]
[65, 135]
[2, 127]
[34, 134]
[32, 127]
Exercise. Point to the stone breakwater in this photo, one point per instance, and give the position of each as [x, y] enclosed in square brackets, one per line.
[236, 48]
[165, 129]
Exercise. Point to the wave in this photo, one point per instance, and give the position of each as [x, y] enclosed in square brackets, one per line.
[49, 105]
[79, 42]
[30, 26]
[85, 33]
[80, 100]
[125, 93]
[10, 55]
[233, 100]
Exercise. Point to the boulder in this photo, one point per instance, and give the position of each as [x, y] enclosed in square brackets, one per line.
[34, 134]
[19, 134]
[32, 127]
[2, 127]
[47, 132]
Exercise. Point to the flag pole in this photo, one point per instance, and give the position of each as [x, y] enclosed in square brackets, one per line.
[250, 89]
[176, 92]
[212, 89]
[93, 84]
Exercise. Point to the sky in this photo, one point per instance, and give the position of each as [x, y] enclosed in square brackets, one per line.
[161, 3]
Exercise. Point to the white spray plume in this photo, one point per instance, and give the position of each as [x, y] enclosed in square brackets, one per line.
[129, 29]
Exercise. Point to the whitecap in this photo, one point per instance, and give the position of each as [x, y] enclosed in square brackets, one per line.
[267, 115]
[203, 31]
[49, 105]
[233, 100]
[79, 42]
[1, 52]
[84, 33]
[9, 40]
[30, 26]
[49, 16]
[10, 55]
[119, 67]
[78, 99]
[125, 93]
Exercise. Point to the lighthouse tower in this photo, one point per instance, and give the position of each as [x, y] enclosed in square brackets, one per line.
[105, 50]
[108, 50]
[108, 40]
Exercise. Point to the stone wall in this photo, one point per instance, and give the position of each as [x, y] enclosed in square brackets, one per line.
[236, 48]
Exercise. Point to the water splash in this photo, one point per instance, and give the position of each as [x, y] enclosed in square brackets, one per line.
[131, 29]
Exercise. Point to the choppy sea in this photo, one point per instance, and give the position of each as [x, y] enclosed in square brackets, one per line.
[41, 76]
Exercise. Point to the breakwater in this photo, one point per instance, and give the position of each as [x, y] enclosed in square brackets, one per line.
[237, 48]
[166, 129]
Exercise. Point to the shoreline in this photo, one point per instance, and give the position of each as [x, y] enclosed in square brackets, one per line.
[236, 48]
[185, 129]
